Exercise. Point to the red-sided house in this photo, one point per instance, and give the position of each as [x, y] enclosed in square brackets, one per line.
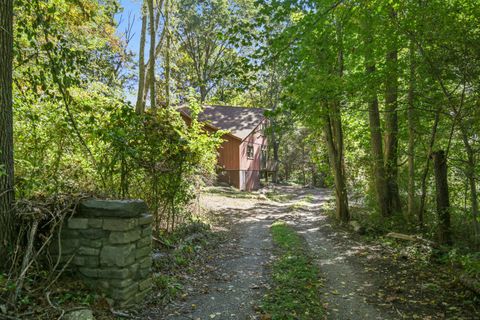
[243, 155]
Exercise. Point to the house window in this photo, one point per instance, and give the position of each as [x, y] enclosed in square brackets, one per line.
[250, 151]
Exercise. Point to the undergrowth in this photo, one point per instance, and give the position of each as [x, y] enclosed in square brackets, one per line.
[295, 291]
[180, 255]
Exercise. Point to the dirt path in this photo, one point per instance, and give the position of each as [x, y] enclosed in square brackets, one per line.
[347, 286]
[238, 280]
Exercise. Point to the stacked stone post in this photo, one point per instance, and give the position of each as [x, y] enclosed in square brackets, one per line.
[108, 244]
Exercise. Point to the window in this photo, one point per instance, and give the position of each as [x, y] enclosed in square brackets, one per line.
[250, 151]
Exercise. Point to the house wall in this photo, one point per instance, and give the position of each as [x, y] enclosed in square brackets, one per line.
[250, 168]
[229, 161]
[229, 158]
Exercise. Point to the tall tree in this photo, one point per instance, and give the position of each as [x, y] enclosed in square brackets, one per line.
[167, 53]
[334, 137]
[411, 134]
[140, 105]
[6, 128]
[374, 120]
[391, 115]
[151, 69]
[206, 34]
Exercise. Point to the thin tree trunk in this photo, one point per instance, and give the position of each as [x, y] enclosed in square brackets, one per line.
[471, 182]
[167, 55]
[375, 128]
[391, 124]
[151, 70]
[411, 135]
[275, 146]
[7, 194]
[140, 105]
[423, 194]
[443, 201]
[336, 164]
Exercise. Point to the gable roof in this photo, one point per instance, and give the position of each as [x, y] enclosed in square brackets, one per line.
[239, 121]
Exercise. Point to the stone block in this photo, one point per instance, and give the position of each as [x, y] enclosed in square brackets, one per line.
[144, 242]
[134, 269]
[89, 272]
[91, 243]
[95, 223]
[145, 219]
[114, 273]
[141, 253]
[69, 246]
[124, 236]
[119, 224]
[112, 208]
[87, 261]
[121, 255]
[94, 234]
[124, 293]
[120, 283]
[86, 251]
[77, 223]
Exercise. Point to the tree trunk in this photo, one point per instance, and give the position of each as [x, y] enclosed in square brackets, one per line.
[140, 105]
[374, 124]
[423, 194]
[6, 130]
[443, 202]
[203, 92]
[411, 135]
[337, 166]
[276, 145]
[391, 125]
[334, 136]
[167, 55]
[151, 70]
[471, 182]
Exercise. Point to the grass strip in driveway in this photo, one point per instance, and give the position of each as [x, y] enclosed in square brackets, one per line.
[295, 279]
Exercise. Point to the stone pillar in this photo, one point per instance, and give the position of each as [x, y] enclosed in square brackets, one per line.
[109, 245]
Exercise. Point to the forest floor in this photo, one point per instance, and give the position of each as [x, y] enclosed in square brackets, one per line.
[361, 279]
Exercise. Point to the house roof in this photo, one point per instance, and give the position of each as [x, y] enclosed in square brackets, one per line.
[239, 121]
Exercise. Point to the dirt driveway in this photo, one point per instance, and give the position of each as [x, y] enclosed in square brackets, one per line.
[361, 280]
[240, 273]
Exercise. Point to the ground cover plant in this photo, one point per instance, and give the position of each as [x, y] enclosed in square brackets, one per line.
[295, 279]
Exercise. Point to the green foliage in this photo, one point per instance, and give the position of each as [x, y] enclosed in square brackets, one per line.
[168, 285]
[74, 130]
[469, 262]
[322, 48]
[295, 292]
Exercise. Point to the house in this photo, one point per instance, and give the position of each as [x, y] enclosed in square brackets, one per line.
[243, 155]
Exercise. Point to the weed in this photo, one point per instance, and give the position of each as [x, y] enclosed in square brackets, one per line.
[295, 291]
